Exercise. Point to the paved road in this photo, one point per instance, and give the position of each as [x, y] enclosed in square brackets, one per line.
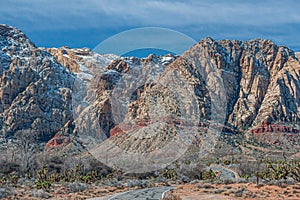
[156, 193]
[225, 172]
[142, 194]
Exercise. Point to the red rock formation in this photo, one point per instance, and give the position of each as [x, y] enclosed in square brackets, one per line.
[57, 141]
[268, 127]
[126, 127]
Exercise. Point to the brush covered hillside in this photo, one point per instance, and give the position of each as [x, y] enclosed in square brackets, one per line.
[216, 96]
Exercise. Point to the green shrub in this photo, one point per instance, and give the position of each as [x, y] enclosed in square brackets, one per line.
[42, 184]
[208, 175]
[227, 162]
[245, 176]
[3, 180]
[76, 174]
[170, 174]
[278, 170]
[14, 179]
[42, 173]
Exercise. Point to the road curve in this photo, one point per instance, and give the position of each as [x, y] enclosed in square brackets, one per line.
[142, 194]
[225, 172]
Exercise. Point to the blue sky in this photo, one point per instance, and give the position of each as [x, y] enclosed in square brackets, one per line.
[85, 23]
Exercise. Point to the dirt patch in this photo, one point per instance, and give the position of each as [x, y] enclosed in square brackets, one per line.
[236, 191]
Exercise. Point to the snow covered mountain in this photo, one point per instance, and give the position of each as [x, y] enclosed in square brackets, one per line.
[250, 87]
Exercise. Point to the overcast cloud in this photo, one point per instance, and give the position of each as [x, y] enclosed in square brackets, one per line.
[88, 22]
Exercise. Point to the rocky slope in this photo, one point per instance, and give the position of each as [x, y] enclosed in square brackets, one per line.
[97, 106]
[297, 55]
[251, 87]
[261, 81]
[262, 88]
[150, 107]
[35, 91]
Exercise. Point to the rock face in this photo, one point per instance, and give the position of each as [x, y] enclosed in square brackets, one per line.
[297, 55]
[82, 62]
[267, 127]
[224, 86]
[261, 81]
[229, 86]
[104, 85]
[37, 85]
[35, 90]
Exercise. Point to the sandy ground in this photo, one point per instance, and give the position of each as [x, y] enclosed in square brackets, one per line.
[245, 191]
[197, 191]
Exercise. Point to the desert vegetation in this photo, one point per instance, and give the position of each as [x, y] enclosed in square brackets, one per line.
[43, 173]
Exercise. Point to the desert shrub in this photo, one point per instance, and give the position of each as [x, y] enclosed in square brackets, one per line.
[217, 191]
[77, 187]
[192, 172]
[169, 174]
[55, 164]
[144, 175]
[91, 176]
[4, 193]
[3, 180]
[54, 177]
[114, 183]
[245, 176]
[228, 181]
[76, 174]
[208, 175]
[170, 196]
[248, 169]
[42, 185]
[9, 167]
[136, 183]
[42, 173]
[14, 179]
[9, 179]
[27, 149]
[278, 170]
[227, 162]
[41, 194]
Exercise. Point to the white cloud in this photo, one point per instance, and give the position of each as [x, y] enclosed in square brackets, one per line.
[94, 13]
[197, 18]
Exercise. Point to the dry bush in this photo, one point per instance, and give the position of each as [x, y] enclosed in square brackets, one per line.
[192, 171]
[170, 196]
[249, 168]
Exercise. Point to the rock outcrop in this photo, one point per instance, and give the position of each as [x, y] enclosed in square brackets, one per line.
[215, 86]
[35, 90]
[261, 81]
[297, 55]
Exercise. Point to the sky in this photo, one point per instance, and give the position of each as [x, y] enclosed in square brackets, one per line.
[86, 23]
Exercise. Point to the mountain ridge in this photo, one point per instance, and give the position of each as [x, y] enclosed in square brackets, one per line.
[259, 83]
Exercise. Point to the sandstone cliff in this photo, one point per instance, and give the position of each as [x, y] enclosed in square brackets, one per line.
[216, 86]
[35, 90]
